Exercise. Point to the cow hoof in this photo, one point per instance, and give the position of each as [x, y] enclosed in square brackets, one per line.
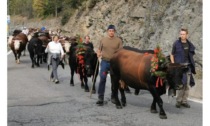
[123, 103]
[137, 91]
[153, 111]
[163, 116]
[71, 84]
[118, 106]
[113, 100]
[32, 66]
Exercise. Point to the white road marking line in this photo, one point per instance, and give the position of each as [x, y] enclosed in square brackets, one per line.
[9, 52]
[195, 100]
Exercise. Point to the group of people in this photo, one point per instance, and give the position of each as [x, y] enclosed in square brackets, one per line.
[182, 52]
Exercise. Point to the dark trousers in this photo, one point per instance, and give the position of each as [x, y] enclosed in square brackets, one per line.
[105, 67]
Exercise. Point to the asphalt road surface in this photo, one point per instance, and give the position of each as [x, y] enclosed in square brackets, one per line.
[35, 101]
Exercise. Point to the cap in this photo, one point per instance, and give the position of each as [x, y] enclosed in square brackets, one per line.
[111, 27]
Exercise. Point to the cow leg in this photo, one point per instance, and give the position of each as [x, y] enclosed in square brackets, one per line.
[18, 57]
[127, 89]
[32, 59]
[45, 58]
[115, 87]
[37, 60]
[153, 107]
[137, 91]
[72, 76]
[123, 98]
[159, 101]
[24, 52]
[82, 82]
[41, 57]
[15, 54]
[86, 84]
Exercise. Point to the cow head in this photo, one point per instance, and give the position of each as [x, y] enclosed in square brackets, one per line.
[10, 39]
[174, 75]
[89, 57]
[17, 44]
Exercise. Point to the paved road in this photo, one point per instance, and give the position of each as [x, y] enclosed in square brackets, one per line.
[35, 101]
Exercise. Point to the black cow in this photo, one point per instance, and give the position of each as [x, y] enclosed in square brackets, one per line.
[45, 38]
[133, 69]
[35, 50]
[83, 64]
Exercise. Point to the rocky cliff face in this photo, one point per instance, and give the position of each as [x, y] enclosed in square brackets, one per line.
[141, 23]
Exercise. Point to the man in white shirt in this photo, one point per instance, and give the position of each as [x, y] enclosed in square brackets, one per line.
[56, 54]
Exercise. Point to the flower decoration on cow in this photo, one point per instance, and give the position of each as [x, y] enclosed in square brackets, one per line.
[158, 59]
[80, 47]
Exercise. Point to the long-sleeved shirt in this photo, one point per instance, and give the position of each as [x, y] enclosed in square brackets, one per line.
[109, 46]
[54, 47]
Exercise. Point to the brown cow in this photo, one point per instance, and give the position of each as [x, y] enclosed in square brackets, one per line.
[18, 44]
[133, 69]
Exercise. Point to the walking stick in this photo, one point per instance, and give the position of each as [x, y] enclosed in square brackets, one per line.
[91, 91]
[97, 67]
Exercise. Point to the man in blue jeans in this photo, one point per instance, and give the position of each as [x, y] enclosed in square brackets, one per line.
[108, 46]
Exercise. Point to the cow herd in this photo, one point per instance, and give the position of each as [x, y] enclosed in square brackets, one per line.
[128, 67]
[36, 41]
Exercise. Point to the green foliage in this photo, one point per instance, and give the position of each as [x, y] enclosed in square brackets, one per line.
[45, 8]
[38, 7]
[65, 18]
[20, 7]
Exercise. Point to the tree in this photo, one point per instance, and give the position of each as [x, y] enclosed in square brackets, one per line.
[38, 7]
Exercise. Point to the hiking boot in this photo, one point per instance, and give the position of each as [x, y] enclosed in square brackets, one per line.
[52, 80]
[100, 103]
[56, 81]
[178, 104]
[186, 105]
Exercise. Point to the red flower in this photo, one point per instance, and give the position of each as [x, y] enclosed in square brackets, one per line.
[156, 51]
[80, 40]
[153, 70]
[156, 67]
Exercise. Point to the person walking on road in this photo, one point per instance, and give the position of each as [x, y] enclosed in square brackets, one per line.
[87, 42]
[108, 46]
[56, 54]
[182, 52]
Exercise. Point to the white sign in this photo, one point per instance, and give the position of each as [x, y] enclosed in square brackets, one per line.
[8, 18]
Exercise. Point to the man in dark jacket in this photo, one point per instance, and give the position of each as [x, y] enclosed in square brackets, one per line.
[182, 52]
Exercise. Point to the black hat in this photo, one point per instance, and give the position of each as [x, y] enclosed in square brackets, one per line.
[111, 27]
